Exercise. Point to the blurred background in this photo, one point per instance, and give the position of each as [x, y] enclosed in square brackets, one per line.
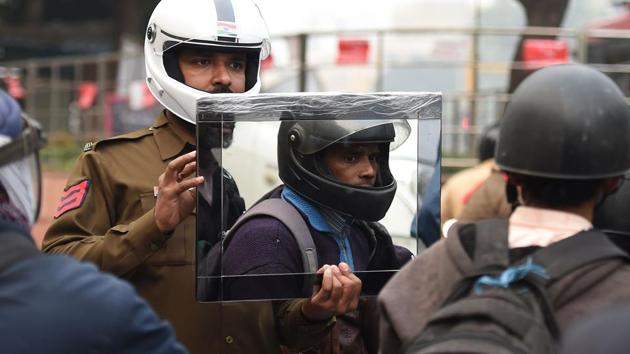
[77, 66]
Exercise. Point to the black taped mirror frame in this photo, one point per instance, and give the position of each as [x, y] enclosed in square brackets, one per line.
[237, 139]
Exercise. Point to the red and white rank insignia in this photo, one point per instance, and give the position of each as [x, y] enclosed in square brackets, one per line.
[73, 197]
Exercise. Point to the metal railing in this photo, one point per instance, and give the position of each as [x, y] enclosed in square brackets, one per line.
[51, 85]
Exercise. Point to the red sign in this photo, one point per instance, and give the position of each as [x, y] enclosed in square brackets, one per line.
[353, 51]
[87, 94]
[538, 53]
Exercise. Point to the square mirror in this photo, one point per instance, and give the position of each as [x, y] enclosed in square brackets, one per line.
[321, 179]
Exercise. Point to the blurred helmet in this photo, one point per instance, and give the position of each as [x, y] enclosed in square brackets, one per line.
[566, 122]
[300, 164]
[20, 176]
[221, 25]
[488, 141]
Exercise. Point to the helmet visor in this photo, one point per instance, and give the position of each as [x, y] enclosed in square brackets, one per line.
[20, 172]
[315, 135]
[162, 41]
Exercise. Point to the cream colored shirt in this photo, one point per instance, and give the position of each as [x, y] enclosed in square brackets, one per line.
[542, 227]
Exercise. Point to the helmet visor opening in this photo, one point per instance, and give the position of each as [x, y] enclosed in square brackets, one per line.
[248, 57]
[165, 42]
[315, 136]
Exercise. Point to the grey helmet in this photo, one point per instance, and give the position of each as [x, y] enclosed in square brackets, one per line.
[300, 143]
[566, 122]
[488, 142]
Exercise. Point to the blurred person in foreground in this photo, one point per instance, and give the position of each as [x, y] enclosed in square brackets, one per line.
[564, 144]
[45, 299]
[606, 332]
[129, 204]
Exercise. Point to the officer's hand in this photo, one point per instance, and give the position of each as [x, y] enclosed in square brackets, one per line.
[175, 199]
[338, 294]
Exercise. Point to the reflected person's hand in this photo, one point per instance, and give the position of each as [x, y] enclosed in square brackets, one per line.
[338, 294]
[176, 199]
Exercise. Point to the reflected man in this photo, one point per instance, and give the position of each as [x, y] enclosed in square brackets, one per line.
[337, 177]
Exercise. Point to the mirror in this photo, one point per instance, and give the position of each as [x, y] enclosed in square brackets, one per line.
[347, 161]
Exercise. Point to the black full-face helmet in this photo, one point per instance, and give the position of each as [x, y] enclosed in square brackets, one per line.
[566, 122]
[300, 147]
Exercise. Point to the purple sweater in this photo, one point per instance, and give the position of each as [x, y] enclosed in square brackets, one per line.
[265, 246]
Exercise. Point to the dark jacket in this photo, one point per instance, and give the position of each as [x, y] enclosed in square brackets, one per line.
[54, 304]
[265, 246]
[424, 284]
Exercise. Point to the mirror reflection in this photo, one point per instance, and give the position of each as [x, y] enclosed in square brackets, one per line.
[328, 201]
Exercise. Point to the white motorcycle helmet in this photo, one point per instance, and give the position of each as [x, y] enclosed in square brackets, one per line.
[227, 25]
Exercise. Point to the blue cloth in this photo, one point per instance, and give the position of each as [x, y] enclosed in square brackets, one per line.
[10, 116]
[427, 225]
[328, 223]
[510, 276]
[54, 304]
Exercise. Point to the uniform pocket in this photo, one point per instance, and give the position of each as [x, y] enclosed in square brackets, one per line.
[174, 250]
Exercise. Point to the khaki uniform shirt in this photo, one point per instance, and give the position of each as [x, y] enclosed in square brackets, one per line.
[112, 224]
[458, 189]
[488, 201]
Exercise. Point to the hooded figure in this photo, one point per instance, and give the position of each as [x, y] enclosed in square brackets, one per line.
[42, 294]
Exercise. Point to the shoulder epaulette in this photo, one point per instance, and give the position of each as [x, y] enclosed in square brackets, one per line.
[134, 135]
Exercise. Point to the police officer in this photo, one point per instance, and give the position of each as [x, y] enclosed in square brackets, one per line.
[42, 293]
[487, 199]
[337, 176]
[479, 192]
[564, 142]
[128, 206]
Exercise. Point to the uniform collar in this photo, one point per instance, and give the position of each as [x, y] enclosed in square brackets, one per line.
[170, 143]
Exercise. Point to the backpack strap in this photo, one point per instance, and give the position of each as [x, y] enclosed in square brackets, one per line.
[491, 244]
[584, 248]
[287, 214]
[486, 243]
